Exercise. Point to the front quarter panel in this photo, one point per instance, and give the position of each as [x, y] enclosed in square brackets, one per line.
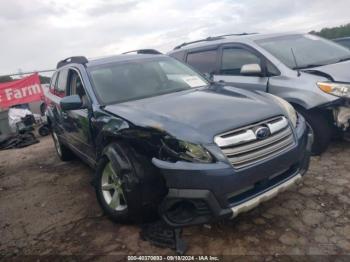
[106, 127]
[301, 90]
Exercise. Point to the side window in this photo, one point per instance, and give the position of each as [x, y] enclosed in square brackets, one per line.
[178, 55]
[271, 69]
[76, 86]
[204, 61]
[53, 82]
[60, 89]
[234, 58]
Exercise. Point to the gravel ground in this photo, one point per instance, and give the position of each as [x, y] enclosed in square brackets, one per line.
[48, 207]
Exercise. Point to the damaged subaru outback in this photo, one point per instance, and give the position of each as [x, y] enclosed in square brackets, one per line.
[166, 142]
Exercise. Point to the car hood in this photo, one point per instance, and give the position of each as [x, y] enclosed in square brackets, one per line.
[339, 72]
[198, 115]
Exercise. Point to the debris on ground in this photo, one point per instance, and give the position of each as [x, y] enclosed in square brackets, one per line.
[160, 234]
[17, 141]
[48, 207]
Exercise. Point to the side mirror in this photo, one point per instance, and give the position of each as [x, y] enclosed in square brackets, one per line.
[251, 70]
[71, 103]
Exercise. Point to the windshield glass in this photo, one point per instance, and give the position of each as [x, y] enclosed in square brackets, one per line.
[124, 81]
[309, 50]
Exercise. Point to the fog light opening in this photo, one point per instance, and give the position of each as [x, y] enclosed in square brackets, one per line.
[181, 212]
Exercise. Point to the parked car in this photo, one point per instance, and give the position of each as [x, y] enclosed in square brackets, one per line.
[344, 41]
[163, 139]
[308, 71]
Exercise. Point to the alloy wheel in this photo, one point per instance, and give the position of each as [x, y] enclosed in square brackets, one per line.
[112, 190]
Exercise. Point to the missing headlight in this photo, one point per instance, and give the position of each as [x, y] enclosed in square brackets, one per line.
[174, 150]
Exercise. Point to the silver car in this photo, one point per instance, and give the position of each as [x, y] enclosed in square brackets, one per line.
[311, 73]
[344, 41]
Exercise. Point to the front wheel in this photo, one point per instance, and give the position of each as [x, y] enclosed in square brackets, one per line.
[127, 186]
[110, 192]
[321, 128]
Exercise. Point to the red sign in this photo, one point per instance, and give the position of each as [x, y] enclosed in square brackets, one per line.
[21, 91]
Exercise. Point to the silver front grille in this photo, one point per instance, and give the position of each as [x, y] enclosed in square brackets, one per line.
[243, 148]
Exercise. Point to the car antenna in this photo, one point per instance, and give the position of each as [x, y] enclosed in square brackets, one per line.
[295, 61]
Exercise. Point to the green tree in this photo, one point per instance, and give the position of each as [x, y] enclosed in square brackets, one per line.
[44, 79]
[334, 32]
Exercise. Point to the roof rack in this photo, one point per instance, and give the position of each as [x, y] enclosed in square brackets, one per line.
[73, 59]
[210, 38]
[144, 51]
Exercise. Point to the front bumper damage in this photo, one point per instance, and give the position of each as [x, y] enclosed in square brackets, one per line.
[342, 117]
[340, 112]
[201, 193]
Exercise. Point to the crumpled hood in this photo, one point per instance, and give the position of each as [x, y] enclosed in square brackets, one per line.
[340, 72]
[198, 115]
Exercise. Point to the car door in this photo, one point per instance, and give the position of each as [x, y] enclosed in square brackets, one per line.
[77, 122]
[231, 60]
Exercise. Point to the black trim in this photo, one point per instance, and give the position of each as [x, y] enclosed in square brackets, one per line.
[74, 59]
[210, 38]
[144, 51]
[318, 73]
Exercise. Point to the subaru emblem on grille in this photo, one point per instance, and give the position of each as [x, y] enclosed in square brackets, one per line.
[262, 132]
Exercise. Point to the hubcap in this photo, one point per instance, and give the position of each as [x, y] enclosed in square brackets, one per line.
[112, 189]
[57, 144]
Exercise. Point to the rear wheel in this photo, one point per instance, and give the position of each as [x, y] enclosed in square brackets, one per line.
[321, 128]
[44, 130]
[63, 152]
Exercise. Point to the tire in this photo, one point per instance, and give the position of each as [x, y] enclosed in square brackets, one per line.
[44, 130]
[63, 152]
[321, 128]
[138, 200]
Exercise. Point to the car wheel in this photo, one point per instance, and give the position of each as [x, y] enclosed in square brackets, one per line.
[44, 130]
[63, 152]
[110, 192]
[321, 128]
[125, 185]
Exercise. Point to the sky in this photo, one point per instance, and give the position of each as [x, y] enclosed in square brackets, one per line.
[35, 34]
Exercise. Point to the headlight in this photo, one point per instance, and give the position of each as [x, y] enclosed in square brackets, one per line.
[173, 150]
[336, 89]
[292, 114]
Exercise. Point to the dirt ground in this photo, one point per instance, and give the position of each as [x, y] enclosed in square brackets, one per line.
[48, 207]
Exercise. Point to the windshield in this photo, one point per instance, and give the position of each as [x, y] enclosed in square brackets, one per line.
[124, 81]
[309, 50]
